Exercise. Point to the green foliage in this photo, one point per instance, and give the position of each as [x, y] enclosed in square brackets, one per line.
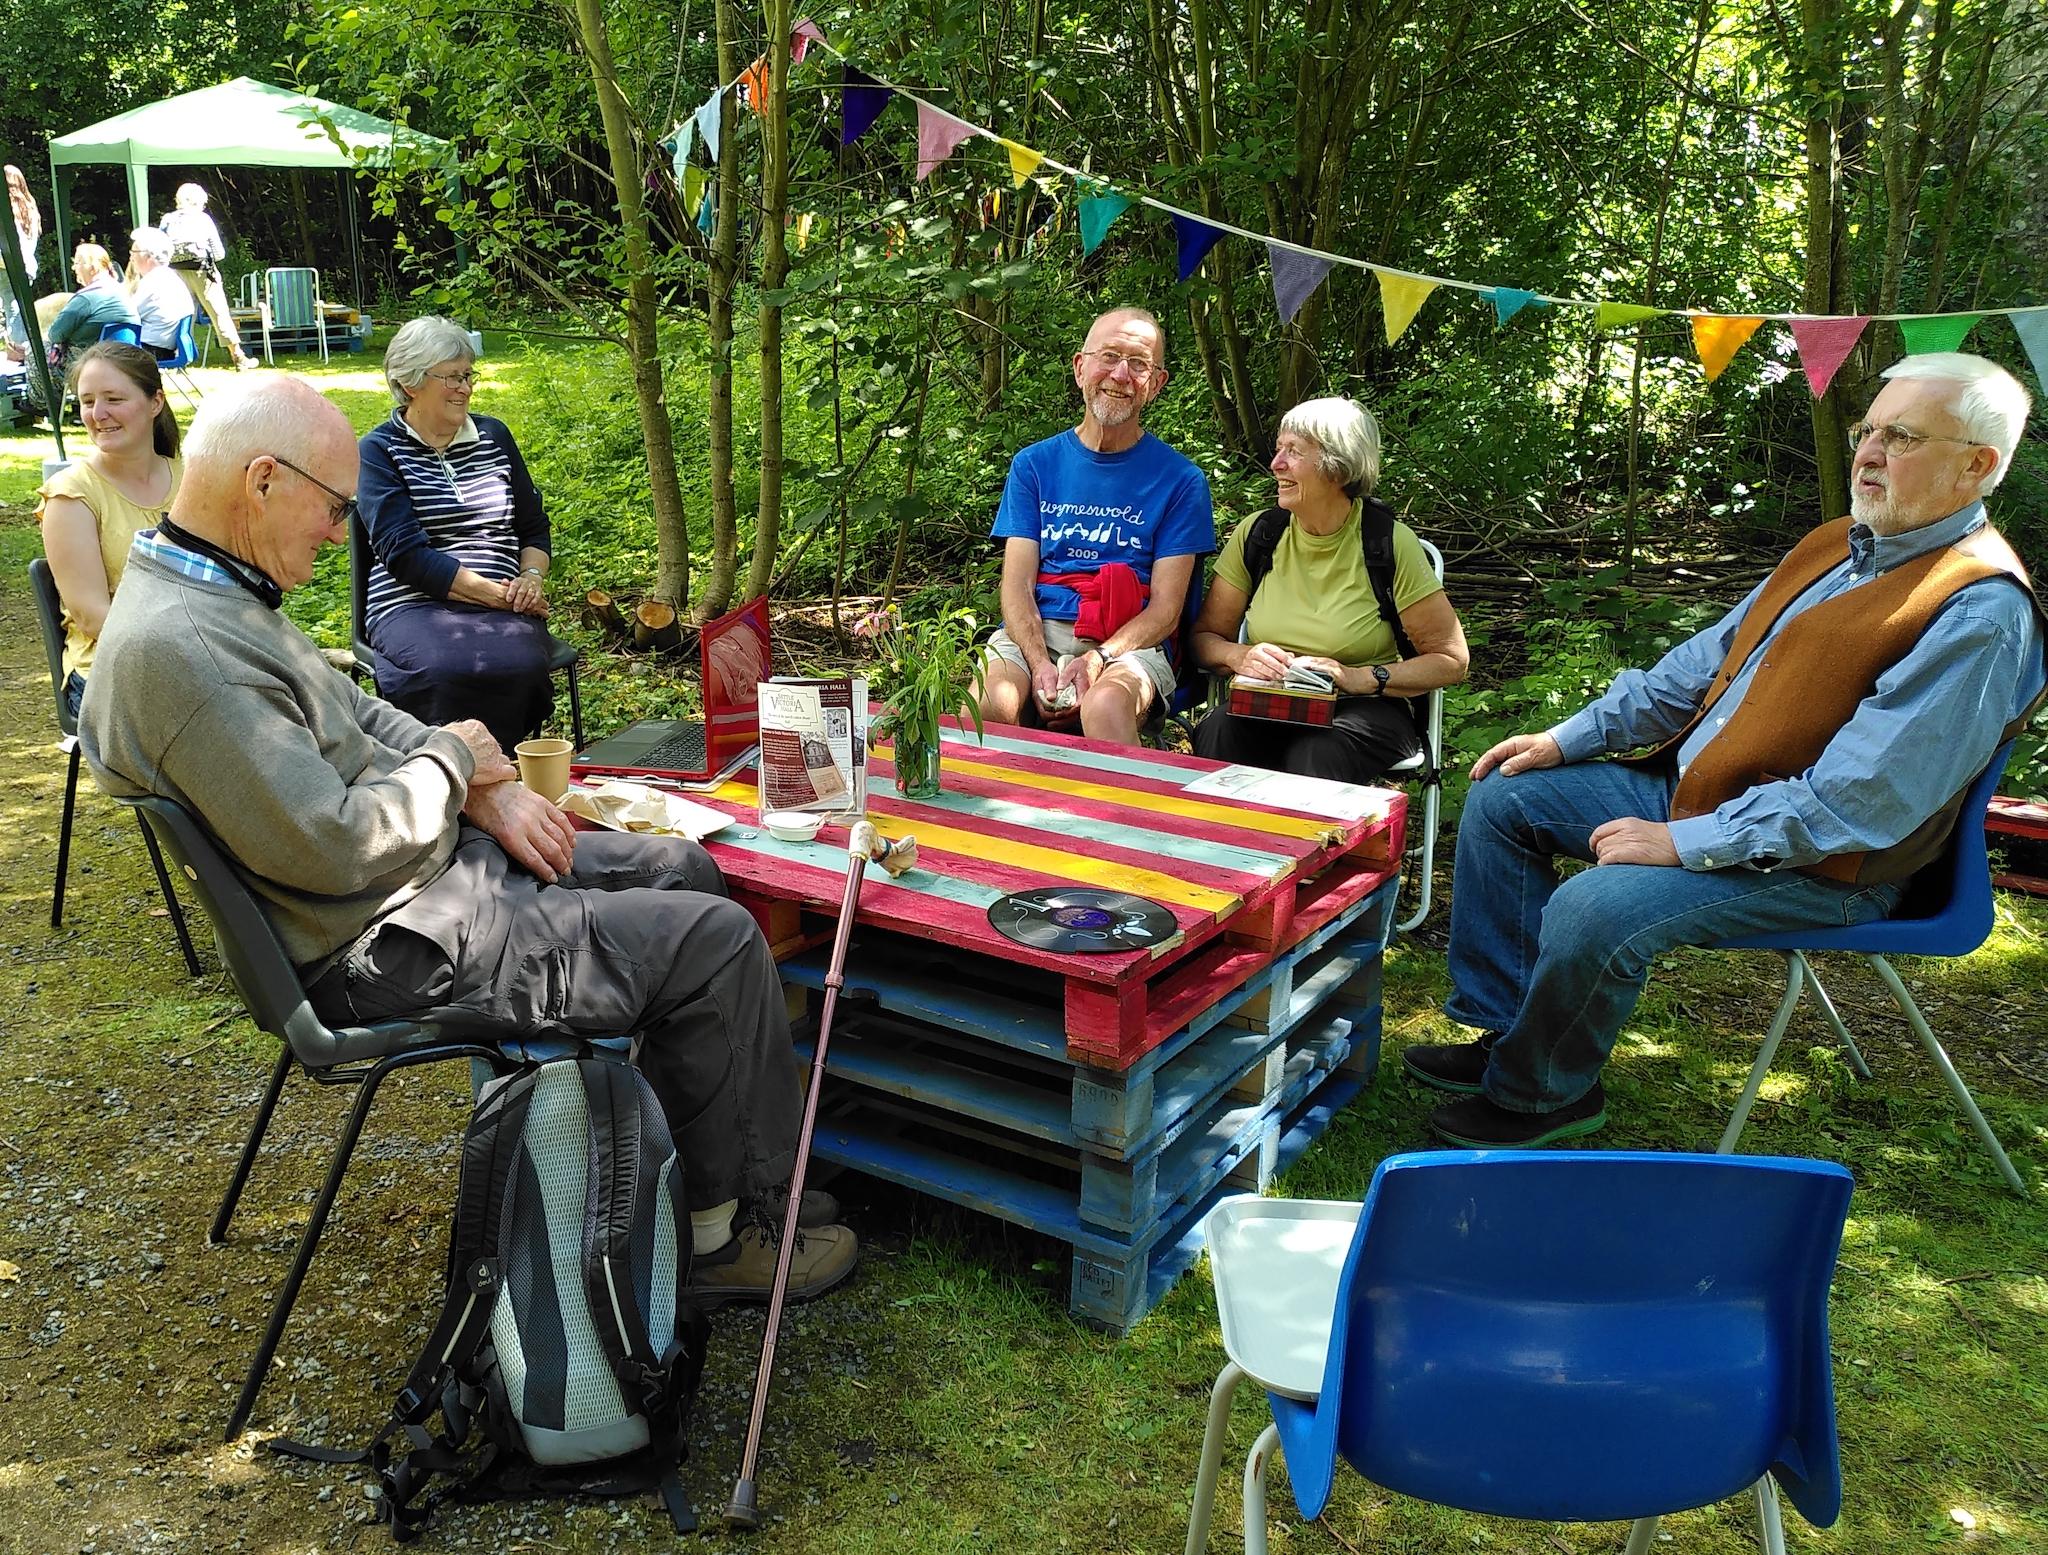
[928, 667]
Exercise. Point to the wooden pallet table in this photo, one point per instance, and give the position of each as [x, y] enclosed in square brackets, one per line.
[1105, 1100]
[2026, 822]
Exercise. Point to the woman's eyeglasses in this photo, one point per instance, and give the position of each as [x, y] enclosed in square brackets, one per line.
[454, 380]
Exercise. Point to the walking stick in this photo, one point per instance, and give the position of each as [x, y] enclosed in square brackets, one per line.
[865, 843]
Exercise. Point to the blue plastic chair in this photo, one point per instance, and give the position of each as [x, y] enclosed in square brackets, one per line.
[1946, 911]
[177, 367]
[1569, 1336]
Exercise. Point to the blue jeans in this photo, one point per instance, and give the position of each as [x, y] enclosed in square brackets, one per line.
[1556, 967]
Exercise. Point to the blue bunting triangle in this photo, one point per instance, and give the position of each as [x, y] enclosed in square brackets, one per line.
[1295, 277]
[1510, 300]
[1195, 238]
[2032, 327]
[707, 214]
[708, 118]
[861, 101]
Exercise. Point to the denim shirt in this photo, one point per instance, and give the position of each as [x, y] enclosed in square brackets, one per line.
[1931, 725]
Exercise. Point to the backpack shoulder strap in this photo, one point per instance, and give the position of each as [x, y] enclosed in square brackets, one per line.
[1261, 541]
[1376, 535]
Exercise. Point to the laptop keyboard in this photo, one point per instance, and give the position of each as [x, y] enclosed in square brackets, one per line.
[681, 751]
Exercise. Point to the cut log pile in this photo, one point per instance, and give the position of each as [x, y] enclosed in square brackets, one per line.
[652, 626]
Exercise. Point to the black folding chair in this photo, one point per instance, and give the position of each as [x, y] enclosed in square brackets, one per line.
[276, 998]
[49, 616]
[561, 655]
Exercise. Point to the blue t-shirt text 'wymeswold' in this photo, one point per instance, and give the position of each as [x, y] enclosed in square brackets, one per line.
[1087, 509]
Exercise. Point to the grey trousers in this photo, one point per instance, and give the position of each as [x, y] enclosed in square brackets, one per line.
[639, 940]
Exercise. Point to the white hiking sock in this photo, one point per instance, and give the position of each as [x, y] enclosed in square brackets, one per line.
[711, 1229]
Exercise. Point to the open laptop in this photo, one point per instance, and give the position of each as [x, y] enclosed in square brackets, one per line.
[733, 655]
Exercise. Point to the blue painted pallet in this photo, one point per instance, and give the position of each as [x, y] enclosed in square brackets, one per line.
[1117, 1216]
[1010, 1044]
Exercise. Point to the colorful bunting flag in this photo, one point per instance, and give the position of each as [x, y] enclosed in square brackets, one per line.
[804, 221]
[1717, 337]
[1939, 332]
[1400, 297]
[1023, 161]
[801, 37]
[1824, 345]
[2032, 328]
[754, 85]
[939, 135]
[707, 215]
[1612, 315]
[861, 101]
[708, 118]
[1098, 211]
[1295, 277]
[1194, 237]
[694, 180]
[1510, 300]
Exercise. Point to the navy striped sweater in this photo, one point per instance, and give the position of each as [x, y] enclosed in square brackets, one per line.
[431, 512]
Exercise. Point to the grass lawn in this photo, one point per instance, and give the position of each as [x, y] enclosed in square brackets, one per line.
[943, 1401]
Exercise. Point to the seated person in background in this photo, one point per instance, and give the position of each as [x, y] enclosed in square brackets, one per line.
[98, 302]
[1296, 577]
[160, 297]
[457, 614]
[92, 508]
[1102, 529]
[1812, 750]
[402, 866]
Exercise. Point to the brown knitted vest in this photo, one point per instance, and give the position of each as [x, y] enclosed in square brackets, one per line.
[1820, 668]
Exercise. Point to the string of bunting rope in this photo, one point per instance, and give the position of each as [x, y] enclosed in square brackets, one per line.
[1823, 342]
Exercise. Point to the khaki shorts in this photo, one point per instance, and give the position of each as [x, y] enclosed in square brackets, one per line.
[1060, 638]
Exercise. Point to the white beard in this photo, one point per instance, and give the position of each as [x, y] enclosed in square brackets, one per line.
[1110, 411]
[1876, 513]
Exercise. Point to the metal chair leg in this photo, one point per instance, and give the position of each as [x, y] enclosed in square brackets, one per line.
[1770, 1527]
[163, 882]
[309, 1242]
[271, 1092]
[1795, 979]
[575, 707]
[1827, 1008]
[1428, 865]
[1641, 1534]
[64, 841]
[1961, 1091]
[1212, 1456]
[1255, 1465]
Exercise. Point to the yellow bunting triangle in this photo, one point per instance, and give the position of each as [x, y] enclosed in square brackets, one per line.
[1717, 337]
[1612, 315]
[1023, 161]
[1400, 297]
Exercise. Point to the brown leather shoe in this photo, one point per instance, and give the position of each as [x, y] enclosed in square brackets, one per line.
[744, 1269]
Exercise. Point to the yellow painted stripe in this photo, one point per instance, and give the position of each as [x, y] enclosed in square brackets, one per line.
[1046, 861]
[1243, 819]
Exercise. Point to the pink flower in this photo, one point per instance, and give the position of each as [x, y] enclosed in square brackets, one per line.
[877, 623]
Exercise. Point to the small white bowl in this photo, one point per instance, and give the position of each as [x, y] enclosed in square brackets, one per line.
[793, 825]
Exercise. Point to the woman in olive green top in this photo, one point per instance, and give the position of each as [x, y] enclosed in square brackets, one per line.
[92, 508]
[1314, 608]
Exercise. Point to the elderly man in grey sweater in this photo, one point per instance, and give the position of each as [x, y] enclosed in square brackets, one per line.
[403, 866]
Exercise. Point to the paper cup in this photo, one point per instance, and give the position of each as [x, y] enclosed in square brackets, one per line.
[544, 766]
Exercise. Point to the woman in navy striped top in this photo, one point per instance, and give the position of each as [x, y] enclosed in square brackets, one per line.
[456, 607]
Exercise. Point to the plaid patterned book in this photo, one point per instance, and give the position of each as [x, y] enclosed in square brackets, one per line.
[1284, 704]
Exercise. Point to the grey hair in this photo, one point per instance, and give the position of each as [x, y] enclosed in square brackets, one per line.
[190, 197]
[151, 241]
[1348, 437]
[1990, 402]
[243, 421]
[418, 348]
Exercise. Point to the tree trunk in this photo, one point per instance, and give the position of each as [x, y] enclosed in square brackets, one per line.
[725, 514]
[774, 272]
[643, 342]
[1822, 68]
[655, 626]
[603, 613]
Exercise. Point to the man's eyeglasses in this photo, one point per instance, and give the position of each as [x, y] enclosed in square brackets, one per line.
[1898, 440]
[454, 380]
[1110, 361]
[345, 509]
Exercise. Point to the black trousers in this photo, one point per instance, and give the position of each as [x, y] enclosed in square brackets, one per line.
[1367, 736]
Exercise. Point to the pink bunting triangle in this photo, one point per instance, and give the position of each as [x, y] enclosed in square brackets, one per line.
[939, 135]
[1824, 344]
[801, 37]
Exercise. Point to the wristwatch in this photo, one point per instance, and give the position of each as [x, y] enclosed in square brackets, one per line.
[1380, 677]
[531, 572]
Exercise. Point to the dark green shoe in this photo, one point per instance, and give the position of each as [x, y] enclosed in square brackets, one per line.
[1457, 1067]
[1477, 1124]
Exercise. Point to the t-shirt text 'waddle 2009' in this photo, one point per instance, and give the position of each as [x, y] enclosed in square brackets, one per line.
[1086, 509]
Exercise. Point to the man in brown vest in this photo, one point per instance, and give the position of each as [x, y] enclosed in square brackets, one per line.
[1808, 754]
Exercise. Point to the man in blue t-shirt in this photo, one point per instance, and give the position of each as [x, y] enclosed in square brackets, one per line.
[1102, 529]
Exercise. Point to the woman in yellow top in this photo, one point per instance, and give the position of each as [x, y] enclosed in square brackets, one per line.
[93, 507]
[1315, 608]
